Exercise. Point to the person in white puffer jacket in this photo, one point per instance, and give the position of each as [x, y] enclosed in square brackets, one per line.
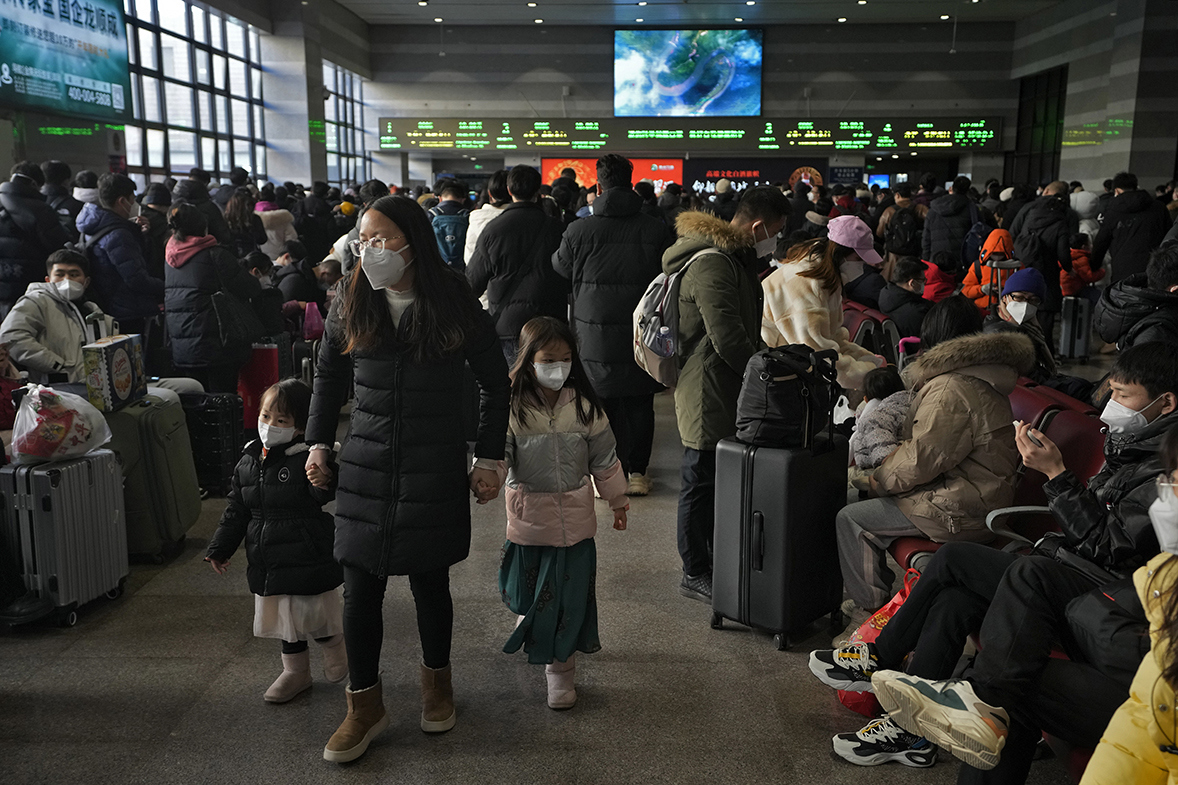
[558, 438]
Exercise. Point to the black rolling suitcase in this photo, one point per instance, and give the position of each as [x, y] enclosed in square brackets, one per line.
[1076, 328]
[778, 490]
[216, 431]
[775, 558]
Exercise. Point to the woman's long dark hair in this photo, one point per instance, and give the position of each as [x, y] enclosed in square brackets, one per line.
[239, 212]
[1169, 631]
[443, 312]
[827, 271]
[538, 333]
[186, 221]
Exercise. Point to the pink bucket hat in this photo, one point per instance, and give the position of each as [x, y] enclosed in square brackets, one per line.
[851, 232]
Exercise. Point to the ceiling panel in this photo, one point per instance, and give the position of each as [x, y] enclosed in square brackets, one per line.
[664, 13]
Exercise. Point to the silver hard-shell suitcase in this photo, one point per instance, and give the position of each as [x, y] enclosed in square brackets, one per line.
[65, 522]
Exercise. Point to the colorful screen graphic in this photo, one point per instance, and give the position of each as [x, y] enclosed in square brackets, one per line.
[659, 171]
[685, 73]
[67, 58]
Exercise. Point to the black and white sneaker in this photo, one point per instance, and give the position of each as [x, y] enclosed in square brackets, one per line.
[848, 668]
[697, 587]
[883, 741]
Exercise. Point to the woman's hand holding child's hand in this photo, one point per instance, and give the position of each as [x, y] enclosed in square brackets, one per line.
[219, 567]
[317, 472]
[484, 484]
[620, 518]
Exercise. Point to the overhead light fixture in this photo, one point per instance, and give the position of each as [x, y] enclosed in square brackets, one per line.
[437, 18]
[913, 153]
[739, 19]
[944, 17]
[643, 2]
[895, 156]
[842, 18]
[878, 158]
[862, 2]
[640, 19]
[423, 2]
[538, 21]
[750, 2]
[531, 5]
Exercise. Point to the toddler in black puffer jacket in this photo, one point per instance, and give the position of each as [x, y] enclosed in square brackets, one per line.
[289, 539]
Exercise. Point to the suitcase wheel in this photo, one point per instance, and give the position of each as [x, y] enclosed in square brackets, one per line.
[67, 617]
[717, 621]
[781, 641]
[117, 591]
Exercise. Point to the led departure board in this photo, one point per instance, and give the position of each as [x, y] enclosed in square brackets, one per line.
[786, 136]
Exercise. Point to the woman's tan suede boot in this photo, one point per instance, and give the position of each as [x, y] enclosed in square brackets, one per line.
[437, 700]
[366, 718]
[561, 692]
[295, 677]
[335, 660]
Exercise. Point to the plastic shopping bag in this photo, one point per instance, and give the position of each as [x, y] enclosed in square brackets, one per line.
[56, 426]
[865, 702]
[312, 323]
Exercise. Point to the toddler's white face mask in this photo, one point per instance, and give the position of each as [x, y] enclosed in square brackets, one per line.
[272, 435]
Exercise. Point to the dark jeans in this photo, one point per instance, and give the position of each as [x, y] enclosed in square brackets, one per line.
[214, 378]
[697, 510]
[1066, 698]
[632, 421]
[946, 605]
[364, 623]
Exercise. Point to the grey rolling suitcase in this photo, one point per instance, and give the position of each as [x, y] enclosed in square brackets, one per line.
[1076, 328]
[162, 499]
[775, 557]
[65, 523]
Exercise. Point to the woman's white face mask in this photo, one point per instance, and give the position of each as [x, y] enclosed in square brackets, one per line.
[850, 270]
[384, 267]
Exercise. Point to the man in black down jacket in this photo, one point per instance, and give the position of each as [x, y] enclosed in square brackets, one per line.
[29, 232]
[1142, 307]
[1133, 226]
[1017, 600]
[59, 195]
[799, 205]
[901, 299]
[196, 193]
[1053, 222]
[237, 179]
[611, 257]
[948, 221]
[315, 224]
[512, 262]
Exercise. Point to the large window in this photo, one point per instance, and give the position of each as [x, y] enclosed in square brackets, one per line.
[196, 87]
[343, 111]
[1040, 128]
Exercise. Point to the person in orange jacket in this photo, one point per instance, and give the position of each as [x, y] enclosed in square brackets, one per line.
[1079, 281]
[984, 281]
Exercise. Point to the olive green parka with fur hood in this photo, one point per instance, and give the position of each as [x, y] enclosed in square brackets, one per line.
[719, 325]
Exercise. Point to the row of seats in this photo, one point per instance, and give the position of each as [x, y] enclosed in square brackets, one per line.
[872, 329]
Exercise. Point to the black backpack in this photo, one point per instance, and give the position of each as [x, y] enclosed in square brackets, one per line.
[902, 237]
[975, 238]
[788, 397]
[1029, 247]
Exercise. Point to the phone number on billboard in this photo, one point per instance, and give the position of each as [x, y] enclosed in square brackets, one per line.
[85, 96]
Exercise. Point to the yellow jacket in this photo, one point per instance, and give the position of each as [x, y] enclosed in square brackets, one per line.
[1131, 749]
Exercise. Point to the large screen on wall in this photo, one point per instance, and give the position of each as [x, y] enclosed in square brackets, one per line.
[682, 73]
[65, 57]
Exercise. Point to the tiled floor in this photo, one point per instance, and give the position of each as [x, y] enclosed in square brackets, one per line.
[165, 684]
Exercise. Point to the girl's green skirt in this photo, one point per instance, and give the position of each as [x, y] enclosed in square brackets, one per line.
[554, 589]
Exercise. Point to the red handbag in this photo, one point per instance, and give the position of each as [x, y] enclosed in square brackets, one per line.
[865, 702]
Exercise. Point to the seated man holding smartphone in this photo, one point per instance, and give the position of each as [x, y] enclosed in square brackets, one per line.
[1018, 602]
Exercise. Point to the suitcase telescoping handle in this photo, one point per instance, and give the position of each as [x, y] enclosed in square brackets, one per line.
[758, 541]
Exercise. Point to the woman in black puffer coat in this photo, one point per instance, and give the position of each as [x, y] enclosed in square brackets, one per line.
[403, 328]
[197, 268]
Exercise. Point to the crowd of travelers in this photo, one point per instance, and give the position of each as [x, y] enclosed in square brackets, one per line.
[518, 303]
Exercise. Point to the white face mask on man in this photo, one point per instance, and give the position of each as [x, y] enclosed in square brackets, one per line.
[384, 267]
[766, 246]
[69, 289]
[1021, 312]
[1121, 419]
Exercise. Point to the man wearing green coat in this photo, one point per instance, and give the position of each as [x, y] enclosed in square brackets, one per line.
[719, 330]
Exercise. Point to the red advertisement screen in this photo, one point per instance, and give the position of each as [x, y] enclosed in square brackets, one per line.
[659, 171]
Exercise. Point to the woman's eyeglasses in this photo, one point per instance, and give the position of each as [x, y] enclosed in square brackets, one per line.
[357, 246]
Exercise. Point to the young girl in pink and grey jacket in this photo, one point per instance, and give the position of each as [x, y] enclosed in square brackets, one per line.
[559, 437]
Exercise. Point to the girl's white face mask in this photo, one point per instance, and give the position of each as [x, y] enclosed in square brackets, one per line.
[552, 375]
[384, 267]
[272, 435]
